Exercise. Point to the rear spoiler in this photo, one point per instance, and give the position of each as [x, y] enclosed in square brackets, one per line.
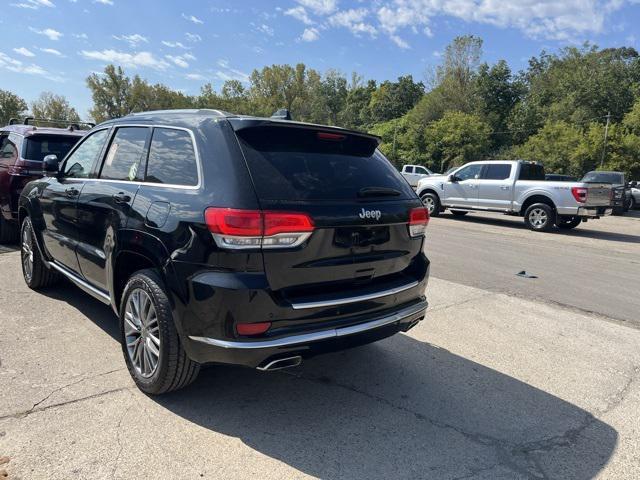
[242, 123]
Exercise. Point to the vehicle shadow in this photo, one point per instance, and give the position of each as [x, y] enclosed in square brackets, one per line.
[400, 408]
[517, 223]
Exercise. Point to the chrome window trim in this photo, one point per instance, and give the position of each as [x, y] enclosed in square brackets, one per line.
[358, 298]
[63, 161]
[155, 184]
[317, 336]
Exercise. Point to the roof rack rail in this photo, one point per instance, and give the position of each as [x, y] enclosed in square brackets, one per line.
[71, 125]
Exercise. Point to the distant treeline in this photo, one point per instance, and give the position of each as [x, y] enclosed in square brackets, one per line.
[555, 111]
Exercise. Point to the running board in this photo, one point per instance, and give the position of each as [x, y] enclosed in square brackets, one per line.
[90, 289]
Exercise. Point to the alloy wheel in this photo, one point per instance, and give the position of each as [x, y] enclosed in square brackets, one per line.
[428, 202]
[538, 217]
[142, 333]
[27, 253]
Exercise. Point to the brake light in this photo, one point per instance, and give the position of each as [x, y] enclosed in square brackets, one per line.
[335, 137]
[579, 193]
[252, 328]
[418, 221]
[240, 229]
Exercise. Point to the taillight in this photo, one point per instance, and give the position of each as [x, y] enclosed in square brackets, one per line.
[579, 193]
[252, 328]
[239, 229]
[418, 221]
[334, 137]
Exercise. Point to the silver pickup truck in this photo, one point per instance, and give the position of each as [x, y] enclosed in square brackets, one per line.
[515, 187]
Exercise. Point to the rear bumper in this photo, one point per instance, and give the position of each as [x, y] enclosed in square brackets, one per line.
[256, 353]
[594, 212]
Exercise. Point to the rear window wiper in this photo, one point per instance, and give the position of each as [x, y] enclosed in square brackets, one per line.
[378, 192]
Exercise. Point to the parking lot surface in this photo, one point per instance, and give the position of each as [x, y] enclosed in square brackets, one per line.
[506, 378]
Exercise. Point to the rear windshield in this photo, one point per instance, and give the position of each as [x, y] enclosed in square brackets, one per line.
[531, 171]
[39, 146]
[298, 164]
[603, 177]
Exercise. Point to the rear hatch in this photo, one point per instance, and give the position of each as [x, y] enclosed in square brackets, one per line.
[359, 204]
[37, 146]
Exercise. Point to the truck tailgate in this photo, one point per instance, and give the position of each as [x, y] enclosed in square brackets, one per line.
[598, 194]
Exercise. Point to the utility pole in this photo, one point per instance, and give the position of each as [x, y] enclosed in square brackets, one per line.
[606, 133]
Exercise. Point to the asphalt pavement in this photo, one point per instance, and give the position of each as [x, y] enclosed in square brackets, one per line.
[499, 382]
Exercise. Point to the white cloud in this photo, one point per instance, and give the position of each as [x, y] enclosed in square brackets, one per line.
[166, 43]
[299, 13]
[80, 35]
[52, 51]
[177, 60]
[194, 76]
[193, 37]
[543, 19]
[24, 51]
[310, 35]
[134, 60]
[192, 18]
[229, 73]
[47, 32]
[319, 7]
[353, 20]
[17, 66]
[34, 4]
[104, 2]
[133, 39]
[266, 29]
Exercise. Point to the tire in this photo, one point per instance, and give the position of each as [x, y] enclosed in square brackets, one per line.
[567, 223]
[632, 204]
[459, 213]
[617, 211]
[145, 332]
[432, 202]
[8, 232]
[540, 217]
[36, 274]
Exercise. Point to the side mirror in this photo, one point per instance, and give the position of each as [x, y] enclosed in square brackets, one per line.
[51, 165]
[453, 179]
[633, 184]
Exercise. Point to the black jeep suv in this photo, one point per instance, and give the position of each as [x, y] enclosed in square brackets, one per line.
[229, 239]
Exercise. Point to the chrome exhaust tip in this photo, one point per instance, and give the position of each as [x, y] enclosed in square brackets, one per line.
[281, 363]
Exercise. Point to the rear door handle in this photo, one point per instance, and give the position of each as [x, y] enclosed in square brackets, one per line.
[121, 198]
[504, 187]
[72, 192]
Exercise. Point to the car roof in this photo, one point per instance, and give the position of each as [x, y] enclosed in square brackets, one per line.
[31, 130]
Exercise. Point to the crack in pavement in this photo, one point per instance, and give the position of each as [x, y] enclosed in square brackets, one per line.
[464, 302]
[120, 446]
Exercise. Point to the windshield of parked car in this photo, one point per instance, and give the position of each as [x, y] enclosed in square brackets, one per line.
[39, 146]
[604, 177]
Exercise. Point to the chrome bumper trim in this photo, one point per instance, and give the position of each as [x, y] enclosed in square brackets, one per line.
[316, 336]
[356, 299]
[593, 211]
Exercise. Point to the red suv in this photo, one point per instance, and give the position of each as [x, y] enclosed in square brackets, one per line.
[22, 150]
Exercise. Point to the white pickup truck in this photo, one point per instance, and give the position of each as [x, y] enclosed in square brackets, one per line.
[414, 173]
[515, 187]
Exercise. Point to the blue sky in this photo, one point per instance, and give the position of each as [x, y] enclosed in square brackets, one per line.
[55, 44]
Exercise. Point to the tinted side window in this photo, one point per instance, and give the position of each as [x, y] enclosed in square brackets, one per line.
[8, 150]
[500, 171]
[81, 161]
[470, 172]
[422, 170]
[531, 171]
[172, 158]
[125, 153]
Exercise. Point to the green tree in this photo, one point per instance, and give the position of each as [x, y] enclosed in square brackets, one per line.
[394, 99]
[111, 94]
[11, 106]
[455, 139]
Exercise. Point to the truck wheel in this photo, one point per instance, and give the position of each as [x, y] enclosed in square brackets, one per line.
[152, 350]
[540, 217]
[36, 274]
[8, 232]
[632, 204]
[567, 223]
[459, 213]
[432, 203]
